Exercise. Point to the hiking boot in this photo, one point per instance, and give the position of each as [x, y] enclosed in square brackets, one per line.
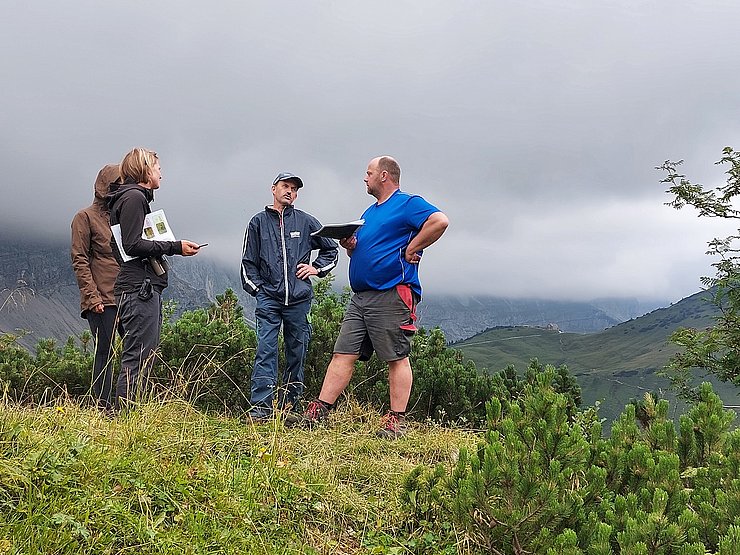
[108, 413]
[258, 417]
[394, 426]
[315, 413]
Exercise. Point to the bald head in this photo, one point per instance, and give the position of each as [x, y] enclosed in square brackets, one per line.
[389, 165]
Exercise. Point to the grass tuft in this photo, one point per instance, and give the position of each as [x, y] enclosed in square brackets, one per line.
[166, 478]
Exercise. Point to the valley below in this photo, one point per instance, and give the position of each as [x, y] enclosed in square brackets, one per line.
[613, 366]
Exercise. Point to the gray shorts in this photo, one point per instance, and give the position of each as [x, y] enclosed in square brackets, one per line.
[373, 322]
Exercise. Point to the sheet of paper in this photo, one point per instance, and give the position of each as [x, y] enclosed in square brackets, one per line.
[156, 228]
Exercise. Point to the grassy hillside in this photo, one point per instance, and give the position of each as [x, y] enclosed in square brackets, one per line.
[612, 366]
[168, 479]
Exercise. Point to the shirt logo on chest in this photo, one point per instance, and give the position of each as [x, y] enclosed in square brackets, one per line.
[295, 234]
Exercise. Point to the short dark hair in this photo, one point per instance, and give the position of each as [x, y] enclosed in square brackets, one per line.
[388, 164]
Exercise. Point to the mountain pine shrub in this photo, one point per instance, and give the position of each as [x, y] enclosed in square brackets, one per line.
[206, 356]
[526, 487]
[16, 366]
[52, 372]
[544, 481]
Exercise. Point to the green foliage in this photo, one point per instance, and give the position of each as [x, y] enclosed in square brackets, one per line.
[327, 312]
[68, 368]
[562, 382]
[715, 350]
[52, 372]
[526, 485]
[646, 408]
[730, 544]
[546, 481]
[447, 388]
[207, 354]
[16, 365]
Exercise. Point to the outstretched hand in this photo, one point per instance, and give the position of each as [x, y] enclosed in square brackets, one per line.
[189, 248]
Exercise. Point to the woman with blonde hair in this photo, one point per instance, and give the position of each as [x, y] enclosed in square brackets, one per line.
[140, 281]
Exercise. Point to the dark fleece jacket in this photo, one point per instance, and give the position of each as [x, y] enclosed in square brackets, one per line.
[129, 204]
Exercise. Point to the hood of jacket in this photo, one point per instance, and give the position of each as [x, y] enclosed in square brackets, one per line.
[106, 176]
[117, 189]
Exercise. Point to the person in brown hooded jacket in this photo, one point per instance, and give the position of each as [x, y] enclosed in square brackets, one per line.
[96, 270]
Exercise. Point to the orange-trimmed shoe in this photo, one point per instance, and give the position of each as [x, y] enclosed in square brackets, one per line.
[394, 426]
[315, 413]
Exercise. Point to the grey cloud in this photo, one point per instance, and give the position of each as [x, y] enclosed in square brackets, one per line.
[511, 118]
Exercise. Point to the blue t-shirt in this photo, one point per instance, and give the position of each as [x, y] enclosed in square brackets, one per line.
[378, 262]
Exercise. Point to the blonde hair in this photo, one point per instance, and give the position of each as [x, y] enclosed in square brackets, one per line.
[137, 165]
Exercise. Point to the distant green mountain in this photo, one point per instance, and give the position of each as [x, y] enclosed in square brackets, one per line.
[463, 316]
[612, 366]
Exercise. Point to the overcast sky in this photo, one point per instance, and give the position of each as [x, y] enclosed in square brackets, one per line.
[535, 126]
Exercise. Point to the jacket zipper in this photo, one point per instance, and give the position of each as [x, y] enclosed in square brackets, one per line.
[285, 256]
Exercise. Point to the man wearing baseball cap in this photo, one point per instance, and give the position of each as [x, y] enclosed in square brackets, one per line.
[276, 270]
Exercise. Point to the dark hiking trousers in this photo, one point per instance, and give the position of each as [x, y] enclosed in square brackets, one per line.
[141, 321]
[102, 327]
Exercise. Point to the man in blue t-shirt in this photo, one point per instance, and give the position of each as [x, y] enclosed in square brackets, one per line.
[384, 276]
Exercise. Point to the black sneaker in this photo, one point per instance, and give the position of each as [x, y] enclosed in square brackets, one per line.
[394, 426]
[315, 413]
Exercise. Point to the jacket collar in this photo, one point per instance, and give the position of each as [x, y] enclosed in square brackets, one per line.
[286, 211]
[131, 184]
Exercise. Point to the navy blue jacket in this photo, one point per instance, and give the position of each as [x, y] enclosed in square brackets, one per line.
[274, 245]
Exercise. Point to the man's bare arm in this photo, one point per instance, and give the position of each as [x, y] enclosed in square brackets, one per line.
[432, 230]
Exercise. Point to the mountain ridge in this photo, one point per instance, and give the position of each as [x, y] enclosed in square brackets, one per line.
[612, 367]
[40, 273]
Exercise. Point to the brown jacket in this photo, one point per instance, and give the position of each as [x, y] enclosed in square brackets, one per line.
[92, 259]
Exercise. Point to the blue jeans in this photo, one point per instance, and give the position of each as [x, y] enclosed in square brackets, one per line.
[270, 314]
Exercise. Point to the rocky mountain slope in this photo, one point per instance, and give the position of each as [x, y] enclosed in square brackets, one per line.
[38, 294]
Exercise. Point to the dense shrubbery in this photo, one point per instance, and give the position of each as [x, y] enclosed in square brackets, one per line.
[327, 312]
[206, 357]
[542, 481]
[51, 372]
